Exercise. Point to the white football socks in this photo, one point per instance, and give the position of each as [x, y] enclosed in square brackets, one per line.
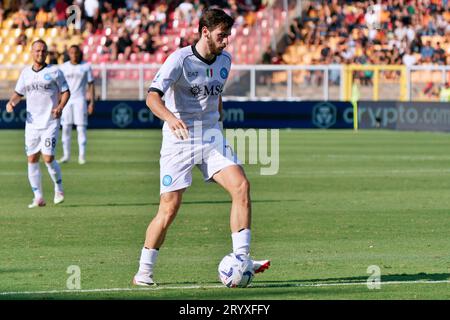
[82, 140]
[34, 176]
[55, 173]
[148, 260]
[241, 241]
[65, 139]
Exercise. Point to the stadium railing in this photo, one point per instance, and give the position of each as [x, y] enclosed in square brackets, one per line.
[283, 82]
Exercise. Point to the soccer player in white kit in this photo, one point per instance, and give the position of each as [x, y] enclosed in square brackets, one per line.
[191, 81]
[46, 92]
[79, 76]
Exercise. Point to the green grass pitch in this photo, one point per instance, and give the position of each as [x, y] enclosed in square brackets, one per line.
[341, 202]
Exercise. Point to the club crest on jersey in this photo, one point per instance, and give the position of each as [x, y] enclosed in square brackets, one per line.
[209, 72]
[224, 73]
[167, 180]
[47, 77]
[156, 78]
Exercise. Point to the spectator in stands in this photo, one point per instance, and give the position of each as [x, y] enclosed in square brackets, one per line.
[43, 18]
[439, 54]
[427, 51]
[124, 43]
[65, 54]
[91, 10]
[185, 12]
[59, 11]
[132, 21]
[53, 55]
[38, 4]
[21, 19]
[409, 59]
[2, 13]
[21, 39]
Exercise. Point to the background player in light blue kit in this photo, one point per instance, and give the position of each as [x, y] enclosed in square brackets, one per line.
[47, 92]
[79, 76]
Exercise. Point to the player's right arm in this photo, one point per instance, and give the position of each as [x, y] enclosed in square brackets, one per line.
[17, 95]
[13, 101]
[166, 77]
[158, 108]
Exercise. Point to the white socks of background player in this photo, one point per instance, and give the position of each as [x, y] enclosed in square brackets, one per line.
[55, 173]
[65, 139]
[241, 241]
[34, 176]
[82, 139]
[148, 260]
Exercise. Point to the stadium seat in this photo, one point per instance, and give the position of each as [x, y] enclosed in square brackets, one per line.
[146, 57]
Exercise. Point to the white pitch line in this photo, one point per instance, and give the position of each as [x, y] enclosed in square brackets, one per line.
[275, 285]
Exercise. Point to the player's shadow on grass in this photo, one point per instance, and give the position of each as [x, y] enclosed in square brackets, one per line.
[422, 276]
[298, 283]
[143, 204]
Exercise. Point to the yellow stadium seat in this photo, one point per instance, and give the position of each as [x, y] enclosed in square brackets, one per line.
[40, 32]
[26, 58]
[12, 58]
[3, 74]
[11, 41]
[29, 32]
[13, 74]
[6, 49]
[52, 32]
[19, 49]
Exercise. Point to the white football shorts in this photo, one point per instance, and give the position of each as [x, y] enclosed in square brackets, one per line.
[178, 158]
[75, 112]
[43, 140]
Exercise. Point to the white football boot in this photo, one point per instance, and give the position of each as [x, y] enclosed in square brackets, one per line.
[81, 161]
[37, 203]
[64, 159]
[59, 197]
[143, 279]
[260, 265]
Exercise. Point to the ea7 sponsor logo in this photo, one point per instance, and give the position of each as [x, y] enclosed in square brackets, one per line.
[192, 74]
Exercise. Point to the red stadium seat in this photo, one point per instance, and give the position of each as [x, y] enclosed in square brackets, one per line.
[146, 57]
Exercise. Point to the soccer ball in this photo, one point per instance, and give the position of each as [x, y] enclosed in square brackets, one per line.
[236, 271]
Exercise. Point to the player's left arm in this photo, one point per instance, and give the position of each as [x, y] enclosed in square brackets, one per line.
[91, 89]
[64, 97]
[220, 112]
[220, 108]
[64, 94]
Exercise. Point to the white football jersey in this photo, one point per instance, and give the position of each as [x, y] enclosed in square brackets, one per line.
[77, 76]
[42, 90]
[191, 85]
